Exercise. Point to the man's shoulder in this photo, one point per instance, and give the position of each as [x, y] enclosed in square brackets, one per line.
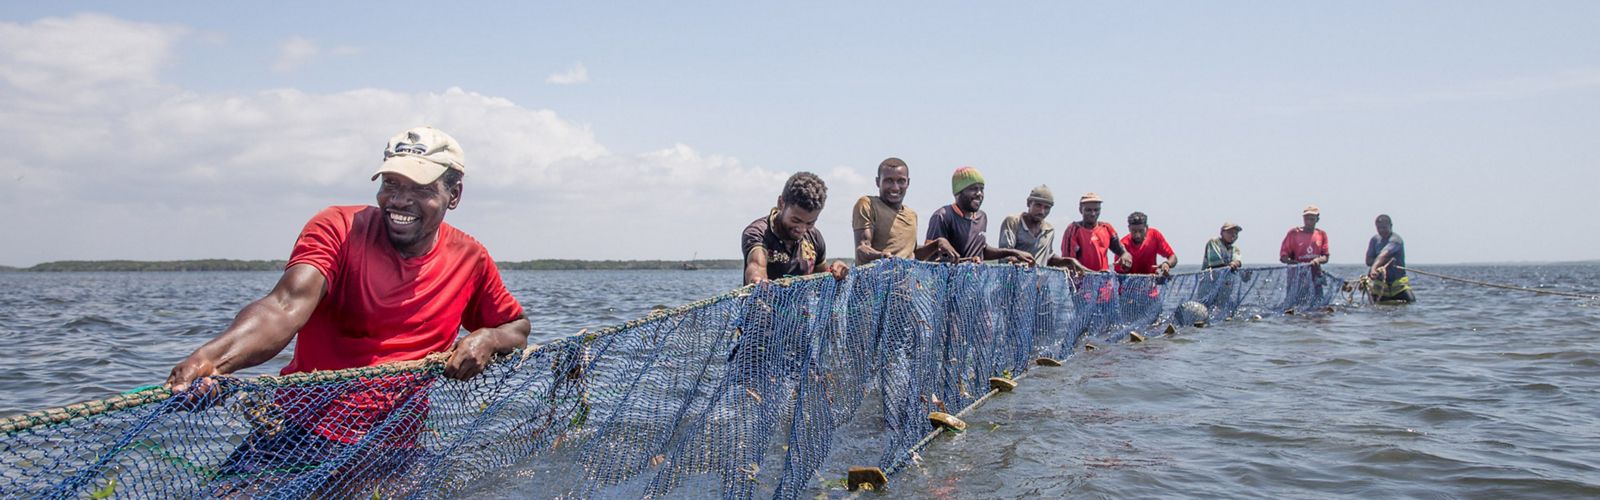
[462, 245]
[759, 224]
[1012, 220]
[346, 212]
[815, 235]
[867, 201]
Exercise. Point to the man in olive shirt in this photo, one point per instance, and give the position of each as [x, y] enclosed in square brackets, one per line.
[786, 242]
[1028, 230]
[885, 227]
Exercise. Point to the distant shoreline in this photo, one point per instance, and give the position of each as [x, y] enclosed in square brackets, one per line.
[202, 265]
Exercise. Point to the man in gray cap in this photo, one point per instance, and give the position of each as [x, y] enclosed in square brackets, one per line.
[1028, 231]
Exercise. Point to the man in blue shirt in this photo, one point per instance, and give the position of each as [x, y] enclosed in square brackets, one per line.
[1386, 261]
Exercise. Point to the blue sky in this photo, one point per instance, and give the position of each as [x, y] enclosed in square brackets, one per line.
[641, 131]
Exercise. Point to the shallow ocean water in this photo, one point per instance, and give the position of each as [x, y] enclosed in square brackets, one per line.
[1471, 393]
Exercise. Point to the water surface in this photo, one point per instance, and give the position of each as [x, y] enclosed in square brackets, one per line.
[1471, 393]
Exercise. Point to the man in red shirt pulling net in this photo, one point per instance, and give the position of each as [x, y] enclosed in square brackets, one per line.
[366, 285]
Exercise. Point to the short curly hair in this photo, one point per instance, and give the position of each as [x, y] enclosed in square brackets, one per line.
[805, 190]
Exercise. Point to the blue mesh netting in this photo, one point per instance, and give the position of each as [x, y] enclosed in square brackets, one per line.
[771, 390]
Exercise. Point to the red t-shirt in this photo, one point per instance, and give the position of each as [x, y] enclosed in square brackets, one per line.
[382, 307]
[1089, 246]
[1144, 256]
[1303, 246]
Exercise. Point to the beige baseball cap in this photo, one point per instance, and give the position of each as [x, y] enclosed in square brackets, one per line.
[1311, 210]
[422, 154]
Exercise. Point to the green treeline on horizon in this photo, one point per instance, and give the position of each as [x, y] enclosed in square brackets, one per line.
[277, 265]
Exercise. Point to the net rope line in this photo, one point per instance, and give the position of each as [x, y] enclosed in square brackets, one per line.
[649, 406]
[1496, 285]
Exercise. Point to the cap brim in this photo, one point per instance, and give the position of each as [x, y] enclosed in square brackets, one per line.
[418, 170]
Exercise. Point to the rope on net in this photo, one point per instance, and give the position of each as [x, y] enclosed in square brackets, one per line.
[773, 389]
[1500, 286]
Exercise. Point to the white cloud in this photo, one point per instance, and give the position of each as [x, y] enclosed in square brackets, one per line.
[143, 169]
[297, 51]
[576, 75]
[58, 63]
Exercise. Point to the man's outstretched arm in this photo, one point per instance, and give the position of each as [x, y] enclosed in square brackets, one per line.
[260, 331]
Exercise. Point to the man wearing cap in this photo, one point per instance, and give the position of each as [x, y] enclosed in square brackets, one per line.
[1305, 244]
[786, 242]
[1144, 244]
[965, 226]
[1028, 230]
[1220, 251]
[885, 227]
[1386, 261]
[1088, 240]
[367, 285]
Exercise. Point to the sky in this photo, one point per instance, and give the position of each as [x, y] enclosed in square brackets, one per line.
[596, 130]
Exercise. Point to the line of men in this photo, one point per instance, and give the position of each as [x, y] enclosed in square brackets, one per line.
[787, 243]
[373, 284]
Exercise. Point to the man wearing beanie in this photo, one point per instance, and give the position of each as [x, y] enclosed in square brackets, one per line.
[1028, 230]
[787, 242]
[965, 226]
[367, 285]
[885, 227]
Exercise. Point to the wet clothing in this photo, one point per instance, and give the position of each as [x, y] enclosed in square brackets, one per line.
[1144, 254]
[1303, 246]
[1220, 254]
[1089, 246]
[966, 232]
[1396, 285]
[784, 258]
[1396, 247]
[888, 230]
[1390, 291]
[382, 307]
[1014, 233]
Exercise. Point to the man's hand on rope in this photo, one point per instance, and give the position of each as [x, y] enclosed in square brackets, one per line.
[839, 270]
[471, 356]
[191, 381]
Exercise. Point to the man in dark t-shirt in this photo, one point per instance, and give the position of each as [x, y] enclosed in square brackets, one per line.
[965, 226]
[786, 242]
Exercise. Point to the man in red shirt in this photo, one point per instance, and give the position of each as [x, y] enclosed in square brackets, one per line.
[1144, 243]
[367, 285]
[1305, 244]
[1087, 241]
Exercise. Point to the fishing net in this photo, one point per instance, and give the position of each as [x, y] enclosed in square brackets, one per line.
[772, 390]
